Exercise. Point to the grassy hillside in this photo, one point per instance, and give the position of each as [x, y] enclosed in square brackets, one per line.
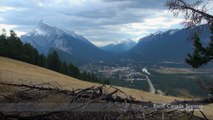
[13, 71]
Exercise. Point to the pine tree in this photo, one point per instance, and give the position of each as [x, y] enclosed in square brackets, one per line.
[36, 57]
[201, 55]
[3, 44]
[73, 71]
[28, 53]
[42, 60]
[53, 61]
[64, 68]
[14, 46]
[107, 82]
[84, 76]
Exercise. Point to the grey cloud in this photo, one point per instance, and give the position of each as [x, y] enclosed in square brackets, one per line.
[114, 16]
[150, 4]
[97, 14]
[101, 23]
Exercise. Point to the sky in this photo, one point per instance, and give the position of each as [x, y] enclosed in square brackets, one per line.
[100, 21]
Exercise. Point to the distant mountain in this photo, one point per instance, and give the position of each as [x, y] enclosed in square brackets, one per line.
[119, 47]
[170, 46]
[71, 45]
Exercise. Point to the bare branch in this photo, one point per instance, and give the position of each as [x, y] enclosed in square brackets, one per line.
[194, 13]
[126, 107]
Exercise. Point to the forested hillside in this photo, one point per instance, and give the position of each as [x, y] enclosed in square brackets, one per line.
[12, 47]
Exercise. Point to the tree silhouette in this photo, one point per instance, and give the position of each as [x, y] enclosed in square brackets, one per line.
[194, 14]
[73, 71]
[53, 61]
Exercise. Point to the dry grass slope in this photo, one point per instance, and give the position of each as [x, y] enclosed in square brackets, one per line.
[13, 71]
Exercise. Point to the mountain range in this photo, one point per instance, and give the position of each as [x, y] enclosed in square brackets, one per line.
[170, 46]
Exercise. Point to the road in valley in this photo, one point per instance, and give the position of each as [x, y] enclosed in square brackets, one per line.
[151, 87]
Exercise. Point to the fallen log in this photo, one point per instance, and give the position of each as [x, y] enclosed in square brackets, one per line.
[203, 101]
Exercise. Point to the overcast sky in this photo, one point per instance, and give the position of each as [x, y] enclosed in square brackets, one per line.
[100, 21]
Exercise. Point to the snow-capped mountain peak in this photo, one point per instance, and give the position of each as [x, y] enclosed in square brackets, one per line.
[155, 36]
[44, 37]
[41, 29]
